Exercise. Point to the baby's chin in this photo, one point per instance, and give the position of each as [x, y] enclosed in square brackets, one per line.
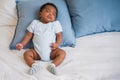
[47, 21]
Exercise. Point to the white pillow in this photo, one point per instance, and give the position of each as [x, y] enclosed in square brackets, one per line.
[8, 13]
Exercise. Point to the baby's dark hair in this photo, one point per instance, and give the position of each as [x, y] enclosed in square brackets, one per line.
[44, 5]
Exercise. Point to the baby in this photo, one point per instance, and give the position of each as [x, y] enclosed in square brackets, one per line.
[46, 35]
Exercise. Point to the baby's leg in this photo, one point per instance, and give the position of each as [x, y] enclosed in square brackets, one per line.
[30, 56]
[57, 57]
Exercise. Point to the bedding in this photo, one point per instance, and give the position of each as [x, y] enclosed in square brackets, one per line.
[95, 57]
[8, 12]
[94, 16]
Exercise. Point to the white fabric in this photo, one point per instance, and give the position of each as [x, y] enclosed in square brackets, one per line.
[8, 14]
[96, 57]
[44, 36]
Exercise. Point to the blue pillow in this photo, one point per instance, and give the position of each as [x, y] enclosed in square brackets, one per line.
[94, 16]
[28, 11]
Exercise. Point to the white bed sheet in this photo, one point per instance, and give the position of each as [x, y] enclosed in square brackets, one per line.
[95, 57]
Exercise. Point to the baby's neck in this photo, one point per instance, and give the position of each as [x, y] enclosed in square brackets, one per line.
[43, 21]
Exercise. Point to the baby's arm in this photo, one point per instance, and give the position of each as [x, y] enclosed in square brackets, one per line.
[58, 41]
[25, 40]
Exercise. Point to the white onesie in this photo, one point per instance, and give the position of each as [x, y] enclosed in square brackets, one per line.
[44, 35]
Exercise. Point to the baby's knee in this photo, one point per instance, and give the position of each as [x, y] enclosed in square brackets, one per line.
[62, 53]
[28, 54]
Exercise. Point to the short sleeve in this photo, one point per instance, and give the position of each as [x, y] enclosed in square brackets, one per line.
[57, 27]
[30, 28]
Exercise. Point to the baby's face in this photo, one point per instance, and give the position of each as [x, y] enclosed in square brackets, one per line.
[48, 14]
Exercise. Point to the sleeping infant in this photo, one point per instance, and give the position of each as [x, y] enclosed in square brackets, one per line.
[46, 35]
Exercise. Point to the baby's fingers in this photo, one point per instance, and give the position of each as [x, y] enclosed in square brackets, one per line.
[19, 46]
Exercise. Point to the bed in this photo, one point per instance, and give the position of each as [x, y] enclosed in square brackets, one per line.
[95, 57]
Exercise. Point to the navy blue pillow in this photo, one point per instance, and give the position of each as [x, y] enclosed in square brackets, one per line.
[94, 16]
[28, 11]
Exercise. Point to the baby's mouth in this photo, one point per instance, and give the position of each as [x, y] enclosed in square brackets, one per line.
[49, 18]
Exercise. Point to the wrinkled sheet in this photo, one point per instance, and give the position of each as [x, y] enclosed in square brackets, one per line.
[95, 57]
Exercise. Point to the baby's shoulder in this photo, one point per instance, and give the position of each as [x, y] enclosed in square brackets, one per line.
[35, 21]
[56, 22]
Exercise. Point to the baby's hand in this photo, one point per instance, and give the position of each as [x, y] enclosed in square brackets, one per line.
[19, 46]
[54, 46]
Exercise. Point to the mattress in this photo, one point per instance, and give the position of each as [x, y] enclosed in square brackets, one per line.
[95, 57]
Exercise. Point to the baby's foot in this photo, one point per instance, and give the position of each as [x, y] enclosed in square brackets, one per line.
[35, 68]
[51, 68]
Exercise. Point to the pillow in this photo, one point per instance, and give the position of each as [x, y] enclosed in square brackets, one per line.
[8, 14]
[94, 16]
[28, 11]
